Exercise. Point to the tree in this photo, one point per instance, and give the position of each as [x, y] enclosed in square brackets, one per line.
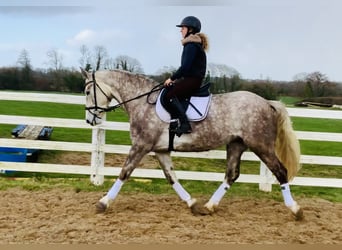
[55, 59]
[25, 70]
[73, 81]
[9, 78]
[24, 59]
[220, 70]
[163, 73]
[166, 70]
[129, 64]
[317, 84]
[85, 59]
[235, 83]
[265, 89]
[300, 77]
[100, 53]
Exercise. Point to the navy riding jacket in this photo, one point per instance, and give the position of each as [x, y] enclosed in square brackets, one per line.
[193, 62]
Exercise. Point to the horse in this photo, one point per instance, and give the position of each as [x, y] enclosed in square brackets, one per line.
[239, 120]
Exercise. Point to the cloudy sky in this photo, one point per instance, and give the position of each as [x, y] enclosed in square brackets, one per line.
[274, 39]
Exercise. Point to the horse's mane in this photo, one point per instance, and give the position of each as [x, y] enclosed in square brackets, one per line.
[134, 77]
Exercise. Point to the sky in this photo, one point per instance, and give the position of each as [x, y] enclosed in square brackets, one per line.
[261, 39]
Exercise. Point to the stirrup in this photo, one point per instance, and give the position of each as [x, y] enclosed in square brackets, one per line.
[174, 125]
[184, 128]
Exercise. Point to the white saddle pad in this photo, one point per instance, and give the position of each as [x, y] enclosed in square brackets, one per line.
[201, 103]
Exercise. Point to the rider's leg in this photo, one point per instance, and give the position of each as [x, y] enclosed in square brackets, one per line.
[184, 126]
[181, 88]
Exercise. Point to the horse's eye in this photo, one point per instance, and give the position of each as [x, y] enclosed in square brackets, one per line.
[87, 92]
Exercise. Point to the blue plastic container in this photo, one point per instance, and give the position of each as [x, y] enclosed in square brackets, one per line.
[12, 155]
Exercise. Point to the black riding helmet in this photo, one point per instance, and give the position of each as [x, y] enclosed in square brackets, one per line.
[192, 22]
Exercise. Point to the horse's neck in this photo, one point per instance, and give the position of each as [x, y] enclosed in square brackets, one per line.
[128, 86]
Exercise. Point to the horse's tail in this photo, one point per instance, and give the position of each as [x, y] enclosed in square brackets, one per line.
[287, 145]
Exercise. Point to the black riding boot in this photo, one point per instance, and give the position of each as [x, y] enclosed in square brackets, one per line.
[184, 126]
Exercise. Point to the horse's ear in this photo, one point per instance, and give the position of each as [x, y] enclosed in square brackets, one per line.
[85, 74]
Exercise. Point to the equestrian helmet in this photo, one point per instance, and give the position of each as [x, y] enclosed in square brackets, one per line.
[192, 22]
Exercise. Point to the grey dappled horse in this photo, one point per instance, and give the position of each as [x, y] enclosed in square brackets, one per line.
[240, 120]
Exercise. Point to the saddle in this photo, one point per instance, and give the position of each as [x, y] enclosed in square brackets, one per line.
[197, 106]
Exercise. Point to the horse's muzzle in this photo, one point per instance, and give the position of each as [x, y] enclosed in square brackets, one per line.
[92, 123]
[95, 121]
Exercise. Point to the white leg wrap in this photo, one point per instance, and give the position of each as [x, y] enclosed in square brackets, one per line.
[288, 200]
[182, 193]
[113, 192]
[106, 201]
[219, 193]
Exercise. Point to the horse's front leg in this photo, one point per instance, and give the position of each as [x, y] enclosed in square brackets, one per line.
[135, 155]
[167, 166]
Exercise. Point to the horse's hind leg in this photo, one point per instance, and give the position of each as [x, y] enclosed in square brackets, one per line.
[280, 172]
[167, 166]
[234, 152]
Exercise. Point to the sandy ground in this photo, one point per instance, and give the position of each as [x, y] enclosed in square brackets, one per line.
[59, 216]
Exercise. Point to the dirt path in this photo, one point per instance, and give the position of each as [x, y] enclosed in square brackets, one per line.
[60, 216]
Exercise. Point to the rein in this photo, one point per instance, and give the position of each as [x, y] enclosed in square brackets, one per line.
[111, 108]
[154, 89]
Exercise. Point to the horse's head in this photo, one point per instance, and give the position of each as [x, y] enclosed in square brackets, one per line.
[98, 98]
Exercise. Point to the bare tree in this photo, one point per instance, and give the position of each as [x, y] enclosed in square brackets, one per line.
[166, 70]
[129, 64]
[24, 59]
[25, 76]
[85, 59]
[100, 54]
[317, 84]
[220, 70]
[55, 59]
[110, 64]
[300, 77]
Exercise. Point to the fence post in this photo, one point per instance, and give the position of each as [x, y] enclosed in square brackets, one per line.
[97, 155]
[268, 178]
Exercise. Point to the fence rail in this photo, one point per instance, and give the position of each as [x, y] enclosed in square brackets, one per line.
[98, 148]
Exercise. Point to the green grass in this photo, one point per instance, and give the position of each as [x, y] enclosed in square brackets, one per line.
[321, 148]
[81, 183]
[289, 100]
[317, 124]
[46, 109]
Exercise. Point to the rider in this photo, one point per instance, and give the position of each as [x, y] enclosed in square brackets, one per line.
[188, 78]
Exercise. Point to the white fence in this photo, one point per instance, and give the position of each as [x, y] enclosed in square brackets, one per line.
[98, 148]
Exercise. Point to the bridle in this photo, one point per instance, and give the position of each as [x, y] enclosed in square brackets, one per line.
[93, 109]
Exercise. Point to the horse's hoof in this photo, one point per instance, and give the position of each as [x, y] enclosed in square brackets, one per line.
[100, 208]
[299, 215]
[198, 209]
[210, 206]
[191, 202]
[297, 211]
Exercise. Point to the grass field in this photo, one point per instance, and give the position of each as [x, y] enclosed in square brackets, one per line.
[38, 181]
